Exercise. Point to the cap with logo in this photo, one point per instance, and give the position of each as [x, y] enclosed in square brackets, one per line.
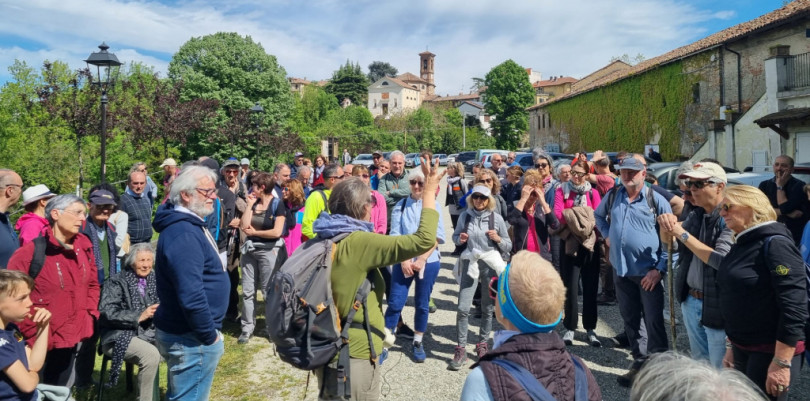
[169, 162]
[102, 197]
[706, 171]
[231, 162]
[480, 189]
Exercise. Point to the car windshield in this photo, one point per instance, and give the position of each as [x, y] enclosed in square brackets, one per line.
[363, 157]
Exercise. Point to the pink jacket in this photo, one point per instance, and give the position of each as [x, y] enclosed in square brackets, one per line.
[379, 213]
[30, 225]
[560, 203]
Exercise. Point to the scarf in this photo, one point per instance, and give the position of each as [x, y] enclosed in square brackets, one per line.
[329, 225]
[450, 182]
[93, 228]
[139, 303]
[319, 171]
[581, 192]
[548, 183]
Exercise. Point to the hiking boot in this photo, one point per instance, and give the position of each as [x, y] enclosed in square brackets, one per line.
[626, 380]
[419, 355]
[603, 299]
[620, 341]
[459, 359]
[382, 357]
[405, 331]
[593, 340]
[432, 306]
[243, 338]
[481, 349]
[568, 337]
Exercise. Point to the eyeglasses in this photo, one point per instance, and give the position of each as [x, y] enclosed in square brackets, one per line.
[417, 183]
[485, 180]
[372, 201]
[206, 192]
[363, 175]
[697, 184]
[578, 173]
[727, 207]
[493, 288]
[541, 165]
[78, 213]
[338, 177]
[231, 171]
[479, 197]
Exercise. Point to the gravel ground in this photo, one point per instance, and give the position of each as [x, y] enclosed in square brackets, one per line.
[405, 380]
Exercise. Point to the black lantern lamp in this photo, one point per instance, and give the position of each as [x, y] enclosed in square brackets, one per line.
[107, 67]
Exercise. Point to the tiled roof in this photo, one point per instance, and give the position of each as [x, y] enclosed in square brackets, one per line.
[553, 82]
[299, 81]
[796, 8]
[397, 82]
[427, 53]
[408, 77]
[462, 97]
[478, 105]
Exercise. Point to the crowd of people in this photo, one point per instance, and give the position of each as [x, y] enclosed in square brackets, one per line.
[87, 277]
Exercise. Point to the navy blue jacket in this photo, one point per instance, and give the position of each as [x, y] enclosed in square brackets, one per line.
[192, 283]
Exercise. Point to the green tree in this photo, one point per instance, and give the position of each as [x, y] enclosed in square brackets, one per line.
[508, 94]
[627, 59]
[379, 69]
[349, 82]
[237, 72]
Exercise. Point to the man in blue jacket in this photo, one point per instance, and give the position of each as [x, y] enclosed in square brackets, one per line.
[192, 285]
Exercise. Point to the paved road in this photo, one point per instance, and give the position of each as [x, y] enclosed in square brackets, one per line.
[405, 380]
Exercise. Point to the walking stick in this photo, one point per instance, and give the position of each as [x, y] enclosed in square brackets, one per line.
[671, 286]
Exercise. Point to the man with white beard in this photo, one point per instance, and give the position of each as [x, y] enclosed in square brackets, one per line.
[192, 285]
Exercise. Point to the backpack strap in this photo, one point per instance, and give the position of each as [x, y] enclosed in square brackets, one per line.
[325, 201]
[344, 387]
[217, 212]
[38, 259]
[611, 197]
[402, 208]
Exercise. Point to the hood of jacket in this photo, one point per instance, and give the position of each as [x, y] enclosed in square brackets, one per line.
[762, 231]
[28, 217]
[329, 225]
[167, 215]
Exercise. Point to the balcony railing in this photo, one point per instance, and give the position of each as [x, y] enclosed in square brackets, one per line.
[798, 71]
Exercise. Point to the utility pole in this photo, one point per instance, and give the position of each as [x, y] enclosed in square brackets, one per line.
[405, 146]
[464, 132]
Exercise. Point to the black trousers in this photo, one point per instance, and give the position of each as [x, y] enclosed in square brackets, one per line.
[233, 296]
[59, 369]
[755, 366]
[586, 266]
[633, 301]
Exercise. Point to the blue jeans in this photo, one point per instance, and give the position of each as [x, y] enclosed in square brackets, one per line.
[705, 343]
[191, 364]
[399, 295]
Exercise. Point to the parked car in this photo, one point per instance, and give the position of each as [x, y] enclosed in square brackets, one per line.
[452, 158]
[752, 179]
[615, 160]
[364, 159]
[387, 155]
[442, 158]
[412, 160]
[801, 171]
[465, 157]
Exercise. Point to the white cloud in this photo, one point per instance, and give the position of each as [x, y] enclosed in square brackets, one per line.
[312, 39]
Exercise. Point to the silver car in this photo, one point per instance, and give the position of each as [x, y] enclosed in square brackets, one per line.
[364, 158]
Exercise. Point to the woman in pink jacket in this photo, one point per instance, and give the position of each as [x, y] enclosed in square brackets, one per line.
[585, 263]
[379, 212]
[31, 223]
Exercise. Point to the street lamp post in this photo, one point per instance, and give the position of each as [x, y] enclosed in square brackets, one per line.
[256, 112]
[105, 62]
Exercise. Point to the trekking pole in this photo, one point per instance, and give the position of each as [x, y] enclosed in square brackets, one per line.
[671, 286]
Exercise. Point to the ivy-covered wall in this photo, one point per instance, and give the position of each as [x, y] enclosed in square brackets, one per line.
[650, 107]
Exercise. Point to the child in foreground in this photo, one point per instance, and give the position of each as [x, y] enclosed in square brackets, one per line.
[20, 364]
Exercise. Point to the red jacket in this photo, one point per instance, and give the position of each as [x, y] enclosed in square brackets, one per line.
[67, 286]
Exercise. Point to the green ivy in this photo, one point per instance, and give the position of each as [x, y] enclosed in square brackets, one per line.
[627, 114]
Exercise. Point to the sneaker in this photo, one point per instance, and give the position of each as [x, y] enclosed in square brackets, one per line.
[419, 355]
[382, 357]
[389, 339]
[593, 340]
[243, 338]
[481, 349]
[405, 331]
[432, 306]
[568, 337]
[459, 358]
[620, 341]
[626, 380]
[603, 299]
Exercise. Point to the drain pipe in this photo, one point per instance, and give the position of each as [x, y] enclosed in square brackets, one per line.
[739, 107]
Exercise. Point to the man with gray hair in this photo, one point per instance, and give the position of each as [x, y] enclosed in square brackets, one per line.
[136, 203]
[304, 173]
[11, 187]
[192, 285]
[394, 185]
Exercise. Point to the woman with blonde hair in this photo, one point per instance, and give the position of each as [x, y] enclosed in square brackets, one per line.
[532, 218]
[456, 190]
[489, 179]
[762, 293]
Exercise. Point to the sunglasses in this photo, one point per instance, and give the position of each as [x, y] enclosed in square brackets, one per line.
[338, 177]
[479, 197]
[373, 201]
[578, 173]
[486, 180]
[541, 165]
[697, 184]
[363, 175]
[493, 288]
[417, 182]
[727, 207]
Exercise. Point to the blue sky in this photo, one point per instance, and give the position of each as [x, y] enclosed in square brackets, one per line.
[313, 38]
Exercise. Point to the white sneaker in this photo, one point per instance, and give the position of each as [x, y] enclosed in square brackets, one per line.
[568, 337]
[593, 340]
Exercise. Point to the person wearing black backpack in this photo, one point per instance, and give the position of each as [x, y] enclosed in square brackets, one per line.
[358, 257]
[529, 360]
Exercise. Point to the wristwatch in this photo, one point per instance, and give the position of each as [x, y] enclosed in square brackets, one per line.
[778, 188]
[685, 236]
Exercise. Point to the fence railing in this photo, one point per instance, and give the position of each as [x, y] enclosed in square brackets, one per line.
[798, 71]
